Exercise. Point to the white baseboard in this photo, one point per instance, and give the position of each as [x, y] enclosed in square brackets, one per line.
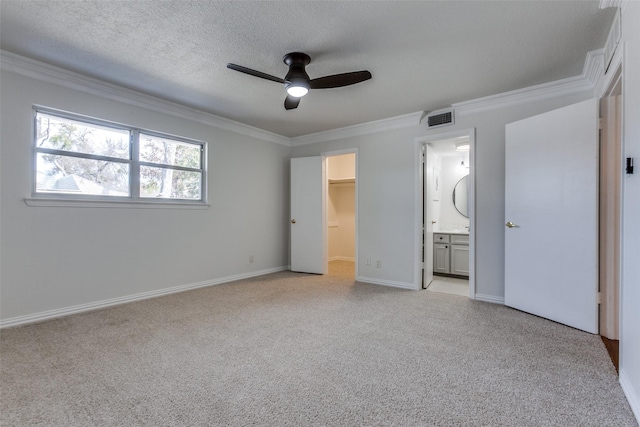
[373, 281]
[60, 312]
[341, 258]
[489, 298]
[631, 393]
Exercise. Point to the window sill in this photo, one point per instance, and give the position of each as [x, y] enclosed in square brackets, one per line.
[126, 204]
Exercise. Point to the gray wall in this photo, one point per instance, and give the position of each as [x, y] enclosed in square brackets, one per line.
[388, 181]
[59, 257]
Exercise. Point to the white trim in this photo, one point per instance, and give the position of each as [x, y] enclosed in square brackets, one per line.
[593, 68]
[613, 3]
[404, 121]
[604, 82]
[59, 76]
[393, 284]
[60, 202]
[490, 298]
[516, 97]
[60, 312]
[632, 394]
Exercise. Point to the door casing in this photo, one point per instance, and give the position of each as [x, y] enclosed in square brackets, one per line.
[611, 181]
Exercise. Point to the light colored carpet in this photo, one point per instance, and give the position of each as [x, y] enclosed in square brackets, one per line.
[292, 349]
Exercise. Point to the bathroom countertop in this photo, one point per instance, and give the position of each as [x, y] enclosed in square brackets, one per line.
[465, 232]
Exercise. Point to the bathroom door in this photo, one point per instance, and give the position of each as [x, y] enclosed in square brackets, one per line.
[551, 234]
[307, 247]
[427, 194]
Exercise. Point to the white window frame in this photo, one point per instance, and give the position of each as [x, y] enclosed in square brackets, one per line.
[133, 200]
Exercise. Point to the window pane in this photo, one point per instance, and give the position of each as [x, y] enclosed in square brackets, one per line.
[72, 175]
[169, 183]
[69, 135]
[169, 152]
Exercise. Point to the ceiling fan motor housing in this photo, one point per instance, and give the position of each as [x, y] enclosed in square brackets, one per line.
[297, 76]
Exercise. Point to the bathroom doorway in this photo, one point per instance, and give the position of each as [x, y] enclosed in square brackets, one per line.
[341, 214]
[448, 214]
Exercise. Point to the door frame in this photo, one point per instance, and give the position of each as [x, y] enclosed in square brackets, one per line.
[614, 75]
[419, 203]
[325, 196]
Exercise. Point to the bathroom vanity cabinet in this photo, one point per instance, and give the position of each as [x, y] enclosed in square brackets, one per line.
[451, 254]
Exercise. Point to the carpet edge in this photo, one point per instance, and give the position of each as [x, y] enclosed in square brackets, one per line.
[75, 309]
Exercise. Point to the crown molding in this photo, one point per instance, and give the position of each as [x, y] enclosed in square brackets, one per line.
[593, 66]
[398, 122]
[62, 77]
[613, 3]
[591, 72]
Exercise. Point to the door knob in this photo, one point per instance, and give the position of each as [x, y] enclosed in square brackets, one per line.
[511, 225]
[433, 222]
[293, 221]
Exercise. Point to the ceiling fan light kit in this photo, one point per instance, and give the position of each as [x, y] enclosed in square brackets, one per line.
[297, 81]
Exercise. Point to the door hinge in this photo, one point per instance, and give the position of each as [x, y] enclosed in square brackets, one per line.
[599, 298]
[600, 123]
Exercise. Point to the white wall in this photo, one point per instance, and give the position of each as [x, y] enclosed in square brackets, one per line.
[630, 325]
[56, 258]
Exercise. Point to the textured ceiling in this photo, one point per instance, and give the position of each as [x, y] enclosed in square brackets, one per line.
[423, 55]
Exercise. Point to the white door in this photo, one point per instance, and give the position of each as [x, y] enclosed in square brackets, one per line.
[551, 194]
[306, 215]
[428, 216]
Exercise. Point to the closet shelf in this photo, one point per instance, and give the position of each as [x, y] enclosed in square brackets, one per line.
[342, 181]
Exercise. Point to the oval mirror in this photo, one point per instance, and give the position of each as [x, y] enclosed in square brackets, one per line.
[460, 193]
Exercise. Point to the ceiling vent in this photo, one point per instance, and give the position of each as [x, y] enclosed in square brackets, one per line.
[440, 118]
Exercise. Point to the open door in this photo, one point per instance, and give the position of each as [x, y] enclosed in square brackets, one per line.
[428, 221]
[551, 215]
[307, 249]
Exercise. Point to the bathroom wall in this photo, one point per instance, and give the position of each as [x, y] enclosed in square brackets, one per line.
[451, 171]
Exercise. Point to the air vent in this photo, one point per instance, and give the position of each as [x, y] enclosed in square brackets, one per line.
[440, 118]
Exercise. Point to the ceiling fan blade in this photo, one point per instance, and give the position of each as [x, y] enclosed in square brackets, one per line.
[255, 73]
[291, 102]
[339, 80]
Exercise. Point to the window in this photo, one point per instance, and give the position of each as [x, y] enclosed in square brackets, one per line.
[89, 159]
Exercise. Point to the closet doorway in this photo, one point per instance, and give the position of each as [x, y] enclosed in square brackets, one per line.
[341, 196]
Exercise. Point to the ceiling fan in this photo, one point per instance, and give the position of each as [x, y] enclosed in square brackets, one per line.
[297, 81]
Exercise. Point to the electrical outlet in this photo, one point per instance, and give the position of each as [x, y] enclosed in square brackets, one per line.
[368, 260]
[250, 259]
[378, 264]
